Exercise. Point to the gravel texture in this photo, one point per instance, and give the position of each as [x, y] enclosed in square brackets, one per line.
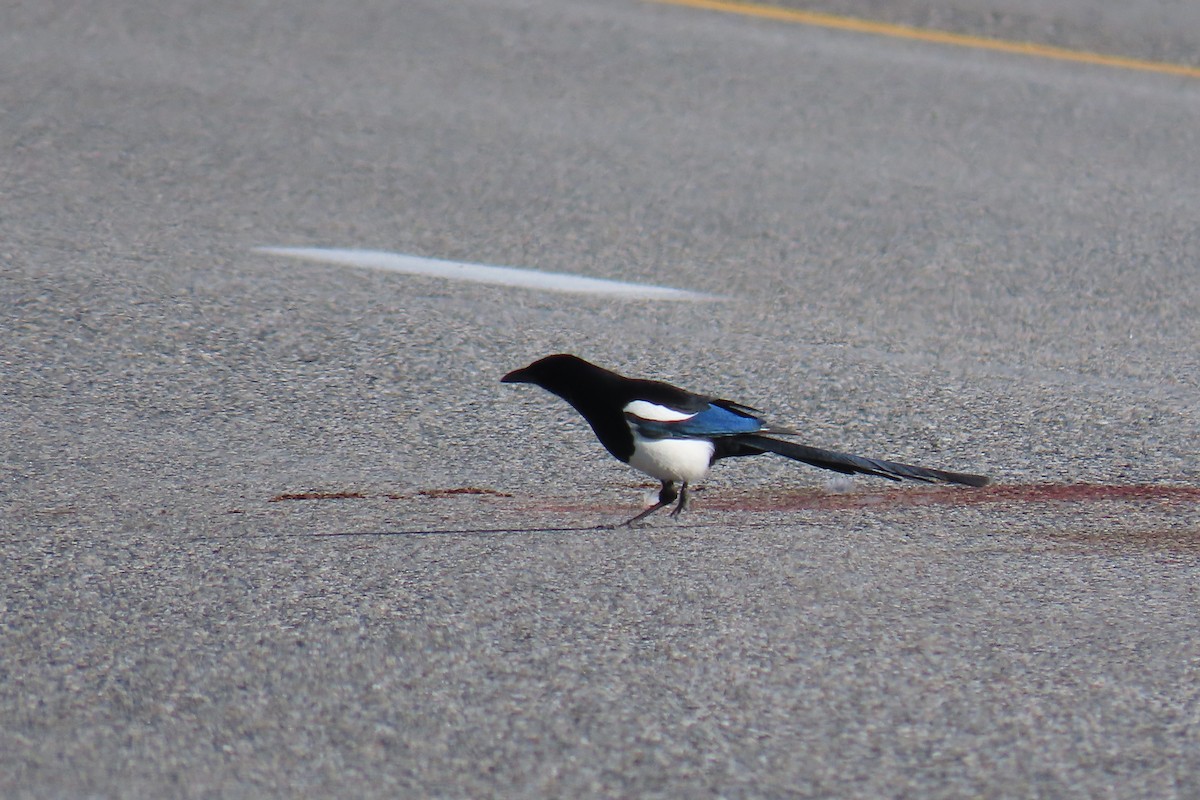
[272, 527]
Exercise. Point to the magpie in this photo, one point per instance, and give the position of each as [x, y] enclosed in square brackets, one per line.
[675, 435]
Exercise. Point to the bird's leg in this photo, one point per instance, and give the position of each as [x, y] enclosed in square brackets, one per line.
[683, 501]
[666, 496]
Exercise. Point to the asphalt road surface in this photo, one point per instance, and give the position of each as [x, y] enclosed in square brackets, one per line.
[274, 527]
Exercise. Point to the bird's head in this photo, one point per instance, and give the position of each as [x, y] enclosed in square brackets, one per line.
[563, 374]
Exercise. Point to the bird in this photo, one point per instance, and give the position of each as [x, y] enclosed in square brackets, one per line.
[675, 436]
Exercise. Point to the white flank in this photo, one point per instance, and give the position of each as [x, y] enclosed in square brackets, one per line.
[644, 409]
[484, 273]
[672, 459]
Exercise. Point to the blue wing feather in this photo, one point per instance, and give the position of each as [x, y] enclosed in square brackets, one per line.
[715, 420]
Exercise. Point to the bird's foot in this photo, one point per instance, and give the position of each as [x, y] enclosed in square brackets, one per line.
[681, 506]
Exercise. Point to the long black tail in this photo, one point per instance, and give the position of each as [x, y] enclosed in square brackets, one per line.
[849, 465]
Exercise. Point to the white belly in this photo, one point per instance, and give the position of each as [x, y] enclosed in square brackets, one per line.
[684, 460]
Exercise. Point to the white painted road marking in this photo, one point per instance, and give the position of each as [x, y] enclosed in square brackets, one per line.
[484, 273]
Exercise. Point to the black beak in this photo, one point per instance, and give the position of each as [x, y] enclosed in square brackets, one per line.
[516, 376]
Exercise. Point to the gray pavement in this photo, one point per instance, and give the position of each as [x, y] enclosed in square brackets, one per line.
[956, 258]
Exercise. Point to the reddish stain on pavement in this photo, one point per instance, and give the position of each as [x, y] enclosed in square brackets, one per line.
[804, 499]
[461, 490]
[317, 496]
[767, 500]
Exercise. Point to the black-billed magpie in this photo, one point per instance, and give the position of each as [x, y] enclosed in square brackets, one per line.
[675, 435]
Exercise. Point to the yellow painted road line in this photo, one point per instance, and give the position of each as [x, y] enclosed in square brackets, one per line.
[822, 20]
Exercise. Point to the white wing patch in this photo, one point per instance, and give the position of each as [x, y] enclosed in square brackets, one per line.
[644, 409]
